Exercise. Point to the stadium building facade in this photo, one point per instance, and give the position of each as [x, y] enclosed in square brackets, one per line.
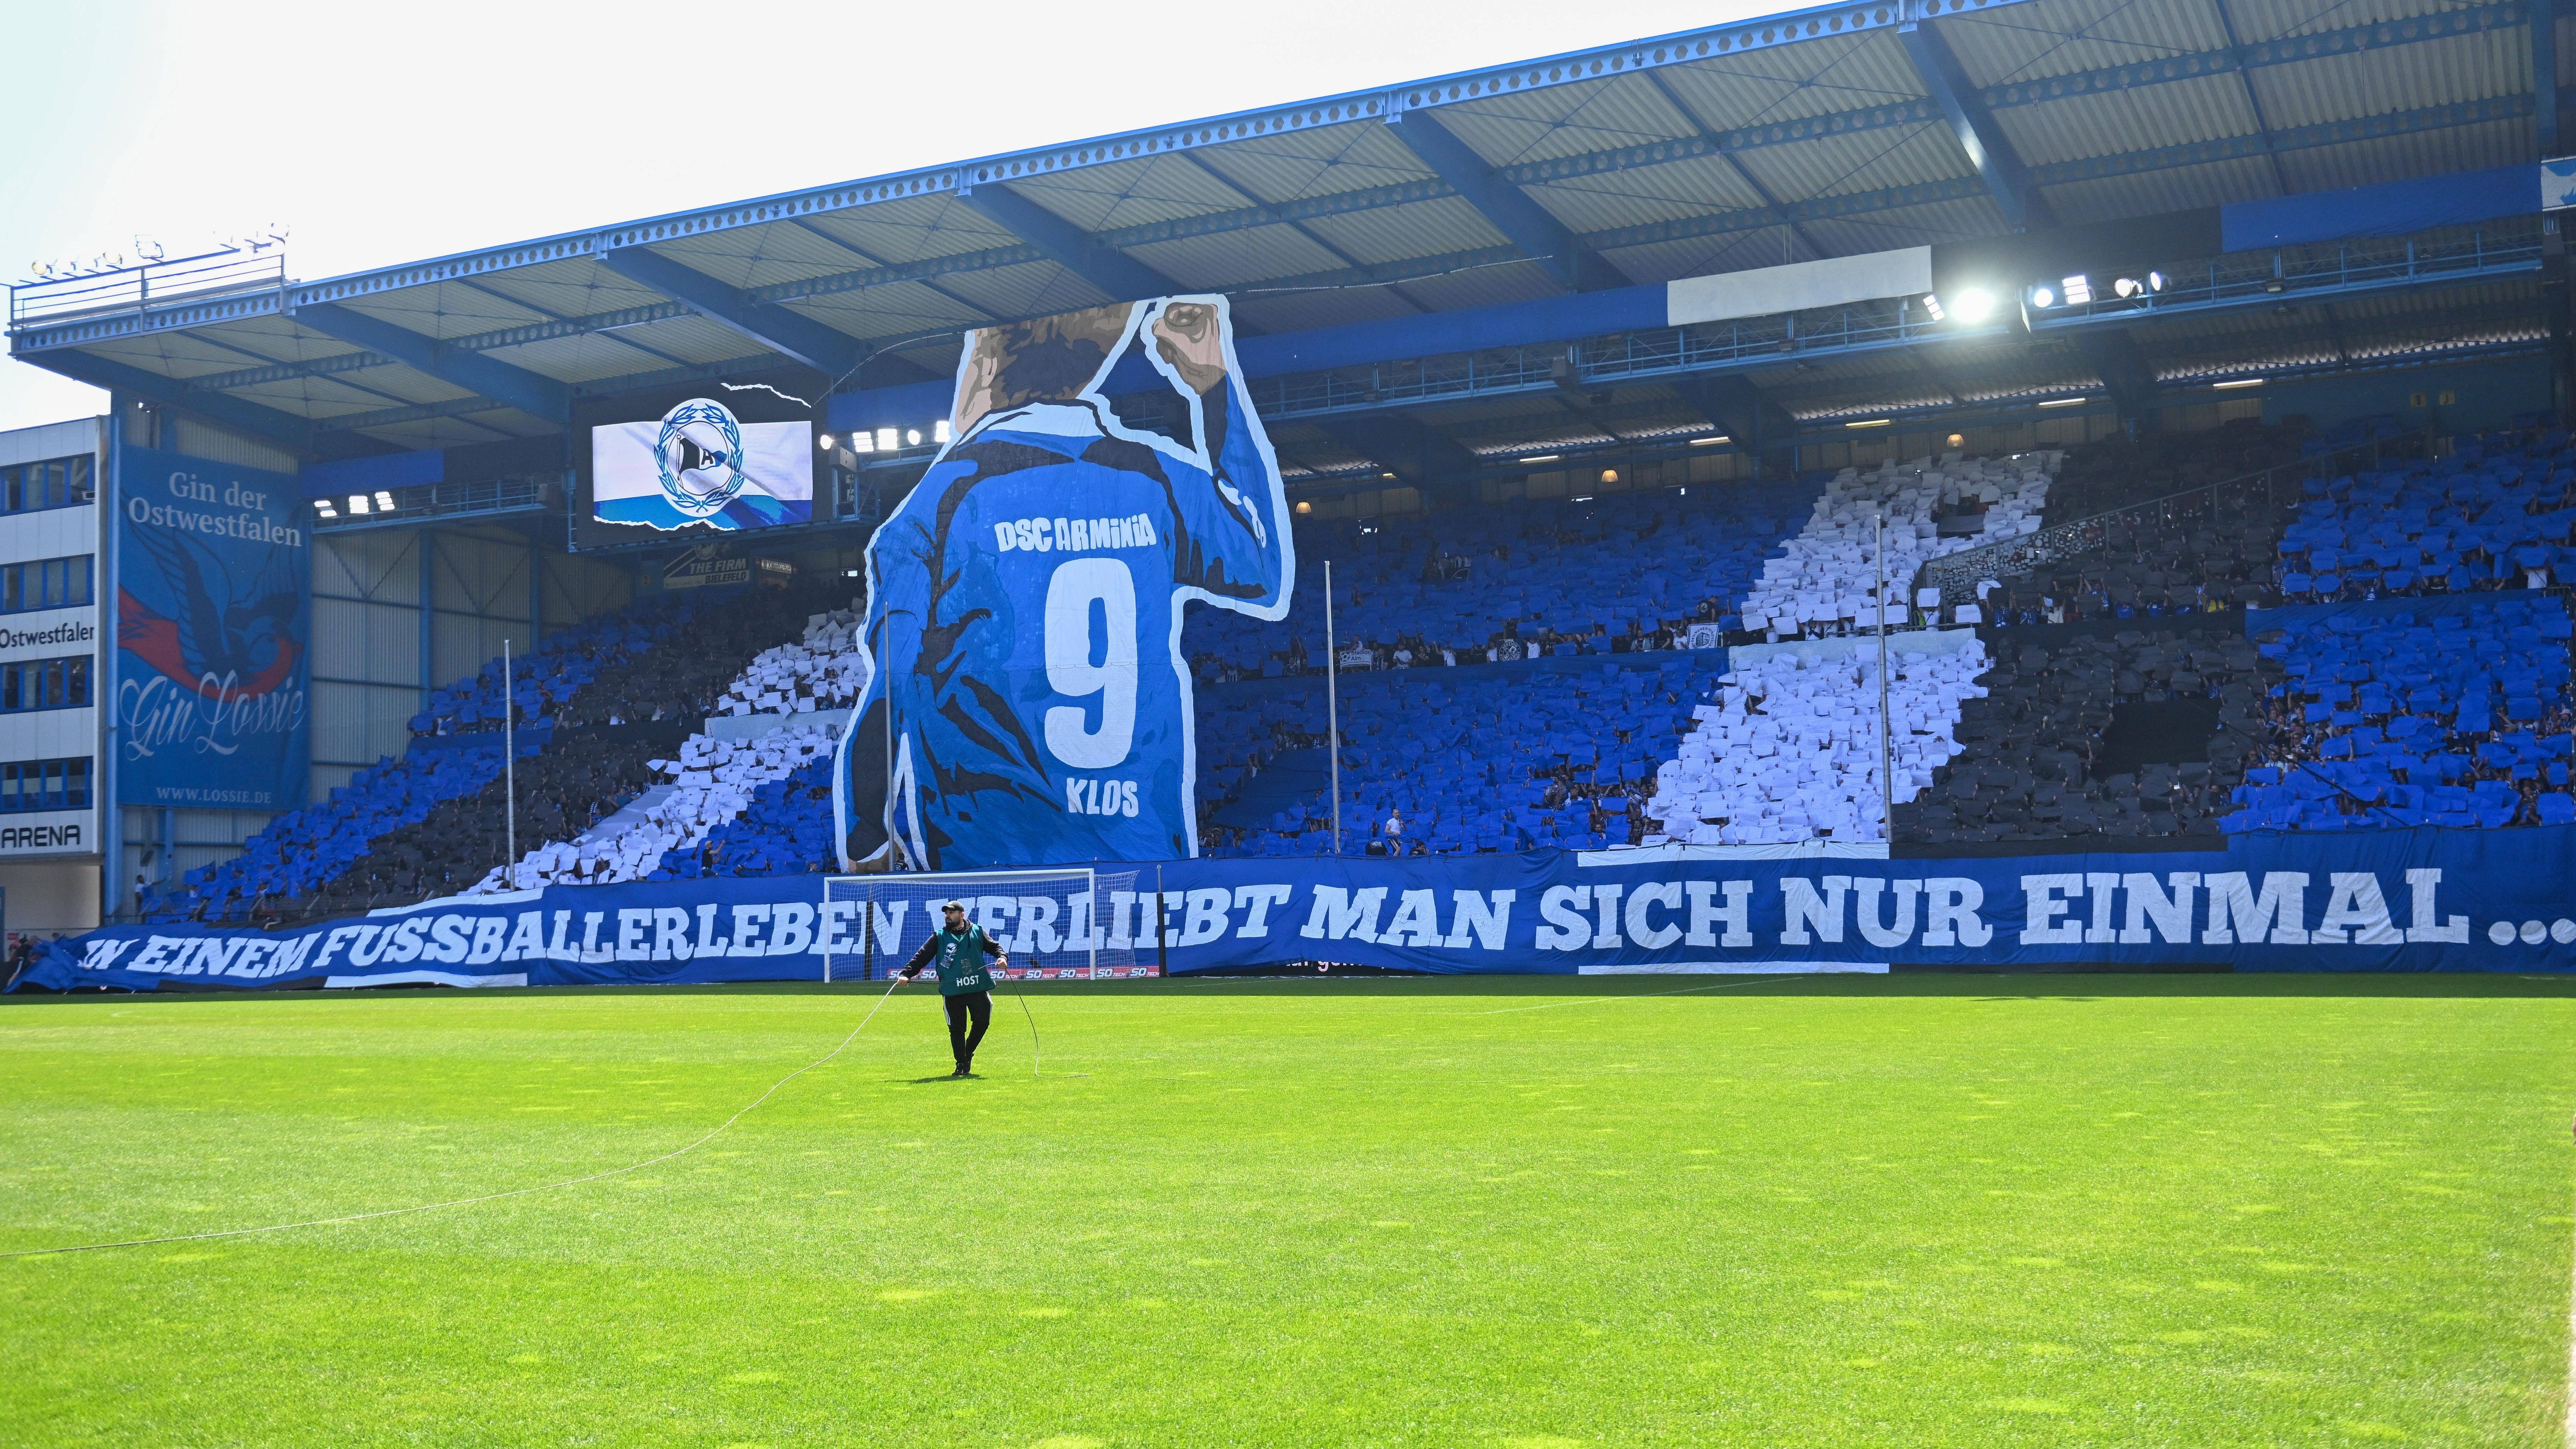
[1741, 256]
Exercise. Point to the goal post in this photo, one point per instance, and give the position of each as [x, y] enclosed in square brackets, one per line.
[1067, 923]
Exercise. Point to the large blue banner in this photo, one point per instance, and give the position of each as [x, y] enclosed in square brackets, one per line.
[2395, 900]
[214, 606]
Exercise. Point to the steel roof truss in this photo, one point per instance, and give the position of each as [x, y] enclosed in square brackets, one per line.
[818, 345]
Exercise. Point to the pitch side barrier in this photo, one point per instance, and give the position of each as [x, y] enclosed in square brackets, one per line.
[2395, 900]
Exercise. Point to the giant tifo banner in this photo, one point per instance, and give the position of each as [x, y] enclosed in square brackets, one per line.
[1028, 702]
[214, 608]
[2396, 900]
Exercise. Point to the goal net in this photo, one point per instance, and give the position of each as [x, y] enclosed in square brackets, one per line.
[1072, 924]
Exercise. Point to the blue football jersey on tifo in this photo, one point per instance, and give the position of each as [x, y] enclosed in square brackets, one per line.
[1025, 622]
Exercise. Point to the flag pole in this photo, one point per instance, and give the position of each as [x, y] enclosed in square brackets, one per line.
[510, 766]
[1333, 703]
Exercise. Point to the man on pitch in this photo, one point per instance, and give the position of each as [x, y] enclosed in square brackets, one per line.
[965, 955]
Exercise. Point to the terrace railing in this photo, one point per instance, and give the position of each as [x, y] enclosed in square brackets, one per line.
[140, 288]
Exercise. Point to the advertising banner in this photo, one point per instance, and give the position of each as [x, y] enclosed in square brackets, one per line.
[214, 606]
[1028, 701]
[2395, 900]
[708, 566]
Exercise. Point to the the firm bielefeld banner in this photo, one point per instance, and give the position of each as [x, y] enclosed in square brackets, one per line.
[2420, 900]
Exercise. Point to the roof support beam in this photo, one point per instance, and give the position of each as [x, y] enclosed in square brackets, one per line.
[1416, 453]
[2113, 354]
[2007, 180]
[284, 429]
[529, 392]
[2544, 74]
[824, 348]
[1759, 427]
[1123, 277]
[1532, 227]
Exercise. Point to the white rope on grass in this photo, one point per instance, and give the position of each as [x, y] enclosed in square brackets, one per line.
[1767, 979]
[711, 1136]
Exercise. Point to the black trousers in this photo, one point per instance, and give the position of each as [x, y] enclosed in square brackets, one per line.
[962, 1040]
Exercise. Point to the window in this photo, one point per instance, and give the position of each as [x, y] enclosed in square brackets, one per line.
[44, 684]
[45, 583]
[45, 785]
[55, 483]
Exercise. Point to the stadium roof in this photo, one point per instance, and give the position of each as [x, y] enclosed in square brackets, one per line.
[1816, 133]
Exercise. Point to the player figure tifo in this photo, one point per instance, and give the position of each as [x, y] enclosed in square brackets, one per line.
[965, 955]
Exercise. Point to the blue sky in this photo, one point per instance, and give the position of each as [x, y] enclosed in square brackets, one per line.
[386, 133]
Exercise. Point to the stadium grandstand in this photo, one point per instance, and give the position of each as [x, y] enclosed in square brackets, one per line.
[1950, 426]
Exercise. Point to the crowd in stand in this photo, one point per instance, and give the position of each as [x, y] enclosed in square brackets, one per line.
[599, 706]
[786, 830]
[1791, 747]
[1549, 755]
[2135, 733]
[2171, 723]
[2443, 712]
[712, 779]
[1612, 574]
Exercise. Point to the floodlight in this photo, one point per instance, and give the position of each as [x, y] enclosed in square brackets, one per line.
[824, 442]
[358, 503]
[384, 501]
[2043, 296]
[887, 441]
[2078, 290]
[912, 438]
[1932, 304]
[1973, 305]
[863, 442]
[939, 431]
[2156, 281]
[323, 507]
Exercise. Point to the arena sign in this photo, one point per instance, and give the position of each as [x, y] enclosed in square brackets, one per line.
[2399, 900]
[1029, 702]
[213, 613]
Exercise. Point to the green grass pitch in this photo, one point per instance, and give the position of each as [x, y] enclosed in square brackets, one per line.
[1506, 1212]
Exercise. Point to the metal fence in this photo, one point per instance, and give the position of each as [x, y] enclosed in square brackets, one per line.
[2245, 499]
[135, 289]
